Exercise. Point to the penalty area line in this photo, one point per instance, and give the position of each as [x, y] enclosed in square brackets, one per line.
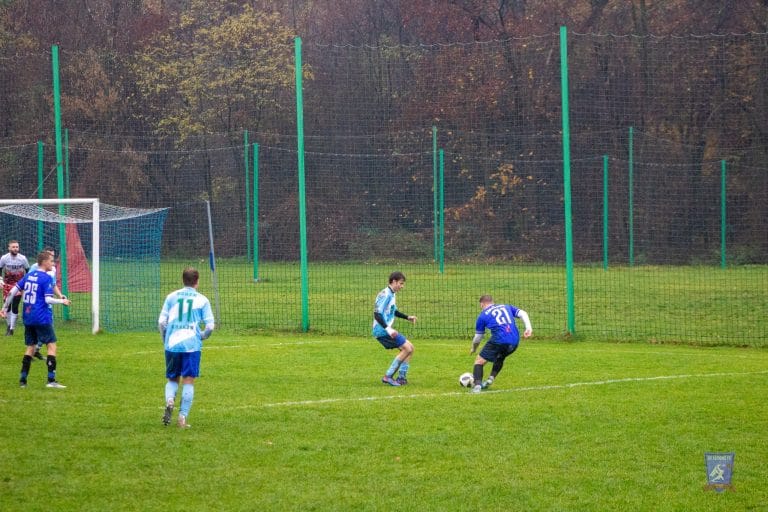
[548, 387]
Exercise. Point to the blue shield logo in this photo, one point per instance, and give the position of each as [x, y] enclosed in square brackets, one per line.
[719, 470]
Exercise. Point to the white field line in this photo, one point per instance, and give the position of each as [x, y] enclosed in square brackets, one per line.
[548, 387]
[466, 393]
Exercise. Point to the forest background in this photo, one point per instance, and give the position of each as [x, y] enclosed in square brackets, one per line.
[174, 105]
[160, 93]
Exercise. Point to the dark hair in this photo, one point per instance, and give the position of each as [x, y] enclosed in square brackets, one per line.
[190, 276]
[485, 299]
[396, 276]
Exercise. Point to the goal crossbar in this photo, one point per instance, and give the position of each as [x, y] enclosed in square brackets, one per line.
[94, 202]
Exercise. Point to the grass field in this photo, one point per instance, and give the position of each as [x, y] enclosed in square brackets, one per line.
[301, 422]
[696, 305]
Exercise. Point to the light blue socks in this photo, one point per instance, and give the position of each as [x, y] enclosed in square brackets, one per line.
[393, 367]
[187, 395]
[404, 369]
[170, 390]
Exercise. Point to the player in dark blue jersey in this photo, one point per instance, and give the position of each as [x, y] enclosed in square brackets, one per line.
[384, 314]
[56, 291]
[500, 320]
[37, 297]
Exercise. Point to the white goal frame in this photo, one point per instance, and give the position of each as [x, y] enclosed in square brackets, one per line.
[95, 221]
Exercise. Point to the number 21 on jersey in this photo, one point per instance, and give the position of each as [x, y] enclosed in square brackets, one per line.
[501, 315]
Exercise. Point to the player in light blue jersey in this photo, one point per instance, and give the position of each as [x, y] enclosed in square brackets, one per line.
[183, 312]
[37, 295]
[500, 320]
[384, 313]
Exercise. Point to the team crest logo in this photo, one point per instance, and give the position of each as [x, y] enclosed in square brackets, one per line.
[719, 470]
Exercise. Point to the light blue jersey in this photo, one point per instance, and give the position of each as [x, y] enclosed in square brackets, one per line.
[51, 272]
[183, 312]
[385, 306]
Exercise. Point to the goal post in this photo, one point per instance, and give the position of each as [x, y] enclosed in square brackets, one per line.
[109, 252]
[95, 237]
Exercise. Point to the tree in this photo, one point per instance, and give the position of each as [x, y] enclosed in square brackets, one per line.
[217, 68]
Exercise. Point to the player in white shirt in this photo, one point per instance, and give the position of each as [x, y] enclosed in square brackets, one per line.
[13, 266]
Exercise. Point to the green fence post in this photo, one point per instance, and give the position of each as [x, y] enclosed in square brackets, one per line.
[442, 211]
[59, 171]
[255, 212]
[567, 181]
[631, 220]
[723, 227]
[605, 212]
[435, 225]
[302, 198]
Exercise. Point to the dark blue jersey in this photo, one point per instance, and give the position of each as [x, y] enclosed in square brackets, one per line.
[500, 320]
[34, 288]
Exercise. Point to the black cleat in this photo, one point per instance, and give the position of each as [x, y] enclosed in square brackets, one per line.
[9, 332]
[167, 413]
[38, 355]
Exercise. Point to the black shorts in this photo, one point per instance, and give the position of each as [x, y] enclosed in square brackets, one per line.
[496, 351]
[34, 334]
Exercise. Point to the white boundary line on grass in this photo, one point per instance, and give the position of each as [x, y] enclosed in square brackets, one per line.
[512, 390]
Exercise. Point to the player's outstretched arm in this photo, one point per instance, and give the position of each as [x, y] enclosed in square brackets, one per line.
[522, 315]
[50, 299]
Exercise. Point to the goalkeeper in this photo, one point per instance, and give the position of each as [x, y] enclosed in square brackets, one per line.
[500, 320]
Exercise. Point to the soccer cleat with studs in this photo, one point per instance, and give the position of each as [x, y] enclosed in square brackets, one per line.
[38, 355]
[56, 385]
[389, 380]
[476, 389]
[487, 383]
[22, 384]
[168, 412]
[183, 422]
[402, 381]
[9, 332]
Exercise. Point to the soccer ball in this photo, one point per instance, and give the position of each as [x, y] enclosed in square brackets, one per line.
[466, 380]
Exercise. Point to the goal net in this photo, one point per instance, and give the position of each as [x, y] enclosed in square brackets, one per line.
[110, 269]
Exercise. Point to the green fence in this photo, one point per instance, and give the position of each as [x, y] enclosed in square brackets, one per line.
[445, 162]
